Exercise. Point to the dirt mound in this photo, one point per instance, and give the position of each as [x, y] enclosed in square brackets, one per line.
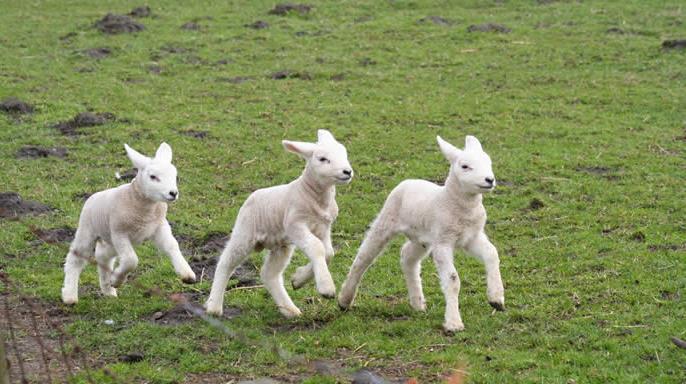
[438, 20]
[259, 24]
[14, 106]
[12, 205]
[674, 44]
[85, 119]
[33, 152]
[114, 24]
[180, 314]
[286, 74]
[489, 27]
[286, 8]
[143, 11]
[54, 235]
[97, 53]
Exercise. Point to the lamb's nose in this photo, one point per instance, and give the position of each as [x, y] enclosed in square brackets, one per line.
[173, 194]
[490, 180]
[347, 172]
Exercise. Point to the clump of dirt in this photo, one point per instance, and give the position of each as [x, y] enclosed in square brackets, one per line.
[191, 26]
[14, 106]
[235, 80]
[259, 24]
[438, 20]
[286, 74]
[12, 205]
[114, 24]
[674, 44]
[54, 235]
[286, 8]
[489, 27]
[84, 119]
[97, 53]
[195, 133]
[180, 314]
[367, 61]
[638, 236]
[536, 204]
[127, 175]
[133, 357]
[33, 152]
[143, 11]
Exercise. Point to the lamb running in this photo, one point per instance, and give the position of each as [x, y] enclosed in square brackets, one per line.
[114, 220]
[298, 214]
[436, 219]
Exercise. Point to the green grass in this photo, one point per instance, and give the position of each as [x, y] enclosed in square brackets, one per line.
[588, 298]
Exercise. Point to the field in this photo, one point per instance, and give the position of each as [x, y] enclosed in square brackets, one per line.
[580, 106]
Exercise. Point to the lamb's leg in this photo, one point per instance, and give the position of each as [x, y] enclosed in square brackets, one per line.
[372, 245]
[80, 251]
[165, 241]
[305, 273]
[450, 284]
[482, 249]
[272, 276]
[105, 257]
[234, 254]
[301, 236]
[128, 260]
[411, 256]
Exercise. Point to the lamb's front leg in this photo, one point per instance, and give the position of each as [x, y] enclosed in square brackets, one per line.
[128, 260]
[165, 241]
[272, 276]
[484, 250]
[305, 273]
[450, 284]
[301, 236]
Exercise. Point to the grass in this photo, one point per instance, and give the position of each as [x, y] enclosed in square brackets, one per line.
[588, 122]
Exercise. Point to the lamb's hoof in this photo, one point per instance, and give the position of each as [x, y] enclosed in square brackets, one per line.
[328, 295]
[497, 306]
[452, 329]
[214, 311]
[343, 305]
[418, 305]
[69, 298]
[296, 284]
[109, 292]
[188, 280]
[290, 313]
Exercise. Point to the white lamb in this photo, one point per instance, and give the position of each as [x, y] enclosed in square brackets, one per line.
[298, 214]
[114, 220]
[436, 219]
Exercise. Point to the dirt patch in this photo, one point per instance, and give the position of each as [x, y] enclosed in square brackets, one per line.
[180, 314]
[259, 24]
[286, 8]
[173, 49]
[14, 106]
[287, 74]
[191, 26]
[666, 247]
[246, 275]
[601, 171]
[143, 11]
[615, 30]
[234, 80]
[222, 61]
[674, 44]
[438, 20]
[365, 62]
[338, 77]
[536, 204]
[54, 235]
[114, 24]
[12, 205]
[638, 236]
[82, 120]
[97, 53]
[195, 133]
[33, 152]
[489, 27]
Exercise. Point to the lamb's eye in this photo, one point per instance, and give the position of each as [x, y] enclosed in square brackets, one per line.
[323, 160]
[465, 166]
[154, 178]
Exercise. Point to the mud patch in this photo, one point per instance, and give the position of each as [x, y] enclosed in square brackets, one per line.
[83, 120]
[14, 106]
[438, 20]
[33, 152]
[115, 24]
[489, 27]
[97, 53]
[195, 133]
[191, 26]
[54, 235]
[180, 314]
[674, 44]
[259, 24]
[286, 8]
[12, 205]
[143, 11]
[286, 74]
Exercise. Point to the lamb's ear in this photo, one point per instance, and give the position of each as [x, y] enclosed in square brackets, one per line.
[139, 160]
[471, 143]
[324, 136]
[305, 150]
[449, 151]
[164, 153]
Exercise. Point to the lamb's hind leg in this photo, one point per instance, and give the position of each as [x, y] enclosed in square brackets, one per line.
[272, 276]
[235, 252]
[105, 257]
[411, 256]
[482, 249]
[80, 252]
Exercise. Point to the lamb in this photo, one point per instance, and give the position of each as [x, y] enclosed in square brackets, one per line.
[298, 214]
[114, 220]
[436, 219]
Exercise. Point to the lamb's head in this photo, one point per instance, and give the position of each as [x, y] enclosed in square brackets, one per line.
[156, 178]
[327, 159]
[470, 166]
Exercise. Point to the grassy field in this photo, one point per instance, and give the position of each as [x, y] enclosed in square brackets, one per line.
[580, 108]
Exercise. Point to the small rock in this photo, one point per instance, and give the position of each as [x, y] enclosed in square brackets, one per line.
[157, 315]
[109, 322]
